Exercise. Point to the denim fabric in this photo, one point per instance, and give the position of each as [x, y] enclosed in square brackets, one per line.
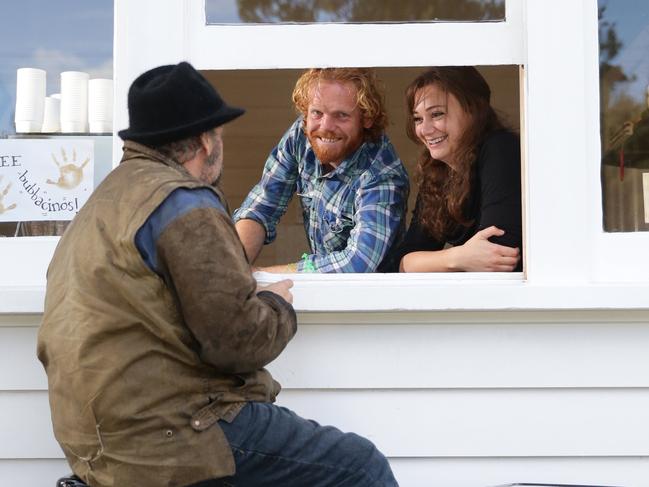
[180, 202]
[274, 447]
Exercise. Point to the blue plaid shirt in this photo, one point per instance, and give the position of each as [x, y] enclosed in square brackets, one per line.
[352, 215]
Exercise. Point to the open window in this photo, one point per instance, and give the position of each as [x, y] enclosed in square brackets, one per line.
[266, 95]
[397, 49]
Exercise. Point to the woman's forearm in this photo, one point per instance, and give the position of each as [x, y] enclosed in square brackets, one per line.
[430, 261]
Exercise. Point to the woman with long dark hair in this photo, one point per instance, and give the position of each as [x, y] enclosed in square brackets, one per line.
[468, 211]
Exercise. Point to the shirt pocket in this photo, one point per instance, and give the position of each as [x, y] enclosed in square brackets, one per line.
[305, 194]
[335, 231]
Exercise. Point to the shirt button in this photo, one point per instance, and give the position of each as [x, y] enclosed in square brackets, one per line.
[169, 433]
[197, 423]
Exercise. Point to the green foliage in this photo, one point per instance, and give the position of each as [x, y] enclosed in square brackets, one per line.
[263, 11]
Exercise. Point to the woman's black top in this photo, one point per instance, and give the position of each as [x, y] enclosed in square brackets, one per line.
[495, 199]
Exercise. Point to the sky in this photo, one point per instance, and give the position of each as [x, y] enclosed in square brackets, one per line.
[224, 10]
[61, 35]
[631, 19]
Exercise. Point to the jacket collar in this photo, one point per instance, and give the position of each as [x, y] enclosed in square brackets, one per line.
[135, 150]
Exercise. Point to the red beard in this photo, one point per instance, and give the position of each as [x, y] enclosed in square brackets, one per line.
[333, 153]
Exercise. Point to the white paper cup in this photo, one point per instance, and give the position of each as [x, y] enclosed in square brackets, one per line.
[71, 127]
[74, 101]
[100, 127]
[30, 99]
[100, 105]
[25, 127]
[52, 115]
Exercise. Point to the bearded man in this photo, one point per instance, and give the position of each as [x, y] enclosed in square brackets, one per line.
[352, 186]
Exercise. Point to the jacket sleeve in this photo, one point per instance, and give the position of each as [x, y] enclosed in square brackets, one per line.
[416, 238]
[499, 167]
[202, 260]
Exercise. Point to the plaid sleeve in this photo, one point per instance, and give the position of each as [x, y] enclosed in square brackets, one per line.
[380, 207]
[267, 201]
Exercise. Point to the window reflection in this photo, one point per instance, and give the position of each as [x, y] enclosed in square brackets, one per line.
[66, 35]
[307, 11]
[624, 117]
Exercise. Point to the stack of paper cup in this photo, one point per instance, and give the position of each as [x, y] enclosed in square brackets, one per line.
[30, 99]
[52, 114]
[100, 105]
[74, 101]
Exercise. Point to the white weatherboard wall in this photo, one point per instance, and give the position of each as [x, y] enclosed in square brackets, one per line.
[454, 399]
[461, 380]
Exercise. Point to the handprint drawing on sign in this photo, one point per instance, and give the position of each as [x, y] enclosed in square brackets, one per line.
[70, 175]
[2, 196]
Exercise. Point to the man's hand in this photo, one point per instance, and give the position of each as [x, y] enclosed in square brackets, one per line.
[478, 254]
[281, 288]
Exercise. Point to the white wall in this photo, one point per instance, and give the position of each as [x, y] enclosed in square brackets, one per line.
[455, 399]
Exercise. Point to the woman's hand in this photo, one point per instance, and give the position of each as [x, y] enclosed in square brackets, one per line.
[478, 254]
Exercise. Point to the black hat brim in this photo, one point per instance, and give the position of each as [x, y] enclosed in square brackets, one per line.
[224, 115]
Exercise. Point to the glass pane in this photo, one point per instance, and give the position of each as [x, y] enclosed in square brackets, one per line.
[309, 11]
[624, 113]
[66, 35]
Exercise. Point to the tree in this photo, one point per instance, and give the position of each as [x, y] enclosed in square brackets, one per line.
[610, 75]
[261, 11]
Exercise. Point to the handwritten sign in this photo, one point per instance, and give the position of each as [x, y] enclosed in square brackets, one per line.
[43, 180]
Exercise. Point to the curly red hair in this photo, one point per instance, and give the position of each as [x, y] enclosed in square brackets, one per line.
[369, 97]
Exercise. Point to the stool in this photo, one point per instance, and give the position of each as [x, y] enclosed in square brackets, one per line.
[71, 481]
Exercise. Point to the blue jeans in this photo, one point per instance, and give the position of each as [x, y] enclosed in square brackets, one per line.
[275, 447]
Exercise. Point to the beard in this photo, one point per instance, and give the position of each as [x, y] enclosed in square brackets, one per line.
[213, 163]
[333, 153]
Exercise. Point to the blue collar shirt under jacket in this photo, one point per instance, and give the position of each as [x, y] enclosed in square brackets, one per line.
[352, 214]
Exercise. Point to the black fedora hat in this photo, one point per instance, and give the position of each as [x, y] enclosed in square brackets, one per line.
[169, 103]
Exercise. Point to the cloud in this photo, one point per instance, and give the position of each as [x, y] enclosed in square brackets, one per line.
[103, 70]
[54, 62]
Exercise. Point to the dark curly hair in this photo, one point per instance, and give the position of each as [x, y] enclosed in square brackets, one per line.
[443, 192]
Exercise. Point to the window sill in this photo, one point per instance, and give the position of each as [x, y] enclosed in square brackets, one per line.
[453, 292]
[415, 292]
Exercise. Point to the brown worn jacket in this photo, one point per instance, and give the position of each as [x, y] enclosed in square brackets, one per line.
[141, 366]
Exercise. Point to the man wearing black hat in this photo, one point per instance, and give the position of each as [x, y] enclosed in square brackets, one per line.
[155, 335]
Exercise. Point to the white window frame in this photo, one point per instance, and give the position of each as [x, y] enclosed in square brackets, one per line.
[571, 263]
